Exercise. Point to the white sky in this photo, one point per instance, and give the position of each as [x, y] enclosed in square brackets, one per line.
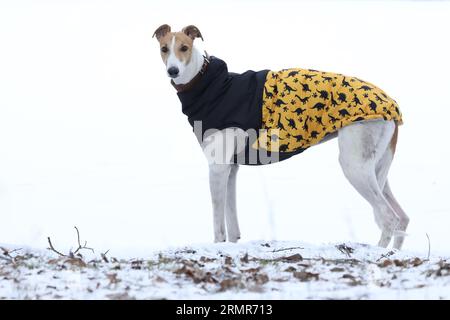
[92, 134]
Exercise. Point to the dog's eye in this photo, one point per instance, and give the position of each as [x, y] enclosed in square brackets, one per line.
[164, 49]
[184, 48]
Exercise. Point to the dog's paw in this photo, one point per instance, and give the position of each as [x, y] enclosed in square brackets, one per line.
[220, 238]
[233, 239]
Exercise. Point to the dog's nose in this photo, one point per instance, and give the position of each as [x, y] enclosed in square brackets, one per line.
[173, 72]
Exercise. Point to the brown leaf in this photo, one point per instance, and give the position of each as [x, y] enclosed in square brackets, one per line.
[416, 262]
[160, 279]
[354, 281]
[229, 283]
[251, 270]
[75, 262]
[261, 278]
[337, 269]
[228, 260]
[112, 277]
[400, 263]
[120, 296]
[205, 259]
[385, 263]
[306, 276]
[290, 259]
[196, 274]
[53, 261]
[290, 269]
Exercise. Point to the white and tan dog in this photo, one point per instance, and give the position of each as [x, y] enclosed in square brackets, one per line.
[366, 150]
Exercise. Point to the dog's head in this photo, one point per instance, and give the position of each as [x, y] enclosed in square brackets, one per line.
[176, 47]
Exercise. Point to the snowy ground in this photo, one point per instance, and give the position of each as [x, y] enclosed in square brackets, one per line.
[92, 135]
[255, 270]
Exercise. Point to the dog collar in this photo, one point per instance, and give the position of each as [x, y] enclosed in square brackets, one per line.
[190, 84]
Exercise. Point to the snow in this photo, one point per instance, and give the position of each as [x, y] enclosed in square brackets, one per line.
[92, 135]
[252, 270]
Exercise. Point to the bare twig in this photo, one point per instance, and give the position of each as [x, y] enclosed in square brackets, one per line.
[387, 255]
[53, 248]
[71, 254]
[104, 257]
[285, 249]
[345, 249]
[429, 246]
[7, 252]
[80, 247]
[7, 255]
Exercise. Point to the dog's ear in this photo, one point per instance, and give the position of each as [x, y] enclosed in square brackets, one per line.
[192, 32]
[161, 31]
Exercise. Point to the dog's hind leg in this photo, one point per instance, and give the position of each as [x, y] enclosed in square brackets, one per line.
[361, 146]
[404, 219]
[230, 210]
[382, 169]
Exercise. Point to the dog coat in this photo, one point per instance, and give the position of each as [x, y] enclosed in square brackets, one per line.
[297, 108]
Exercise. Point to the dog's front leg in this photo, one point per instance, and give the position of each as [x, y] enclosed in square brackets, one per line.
[218, 180]
[231, 211]
[219, 148]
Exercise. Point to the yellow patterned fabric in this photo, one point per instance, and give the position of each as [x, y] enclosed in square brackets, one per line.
[301, 107]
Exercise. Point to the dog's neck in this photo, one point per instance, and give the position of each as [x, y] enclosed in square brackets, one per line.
[192, 68]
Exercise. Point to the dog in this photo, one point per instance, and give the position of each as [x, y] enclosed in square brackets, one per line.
[280, 114]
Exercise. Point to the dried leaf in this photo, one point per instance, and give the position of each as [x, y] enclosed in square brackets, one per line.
[416, 262]
[160, 279]
[400, 263]
[251, 270]
[228, 260]
[120, 296]
[205, 259]
[112, 277]
[290, 269]
[354, 281]
[229, 283]
[260, 278]
[337, 269]
[306, 276]
[290, 259]
[385, 263]
[75, 262]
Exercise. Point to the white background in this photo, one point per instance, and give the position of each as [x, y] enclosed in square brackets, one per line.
[92, 134]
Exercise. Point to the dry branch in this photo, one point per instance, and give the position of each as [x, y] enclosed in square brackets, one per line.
[53, 248]
[71, 254]
[80, 247]
[429, 247]
[285, 249]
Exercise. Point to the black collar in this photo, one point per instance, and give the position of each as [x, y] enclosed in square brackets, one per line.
[190, 84]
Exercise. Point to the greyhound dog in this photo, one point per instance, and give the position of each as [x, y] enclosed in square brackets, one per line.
[367, 143]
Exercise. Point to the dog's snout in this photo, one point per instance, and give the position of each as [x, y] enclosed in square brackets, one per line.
[173, 72]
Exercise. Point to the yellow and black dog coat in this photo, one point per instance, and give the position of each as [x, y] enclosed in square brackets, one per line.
[297, 107]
